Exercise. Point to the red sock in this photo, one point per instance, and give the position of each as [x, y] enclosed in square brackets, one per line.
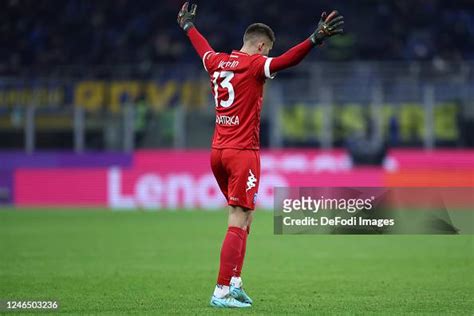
[230, 254]
[238, 271]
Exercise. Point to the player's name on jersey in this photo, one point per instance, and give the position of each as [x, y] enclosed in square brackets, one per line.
[228, 64]
[227, 120]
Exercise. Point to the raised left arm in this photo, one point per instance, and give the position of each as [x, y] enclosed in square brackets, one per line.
[186, 22]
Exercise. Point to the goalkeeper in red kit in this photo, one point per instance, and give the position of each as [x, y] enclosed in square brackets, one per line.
[237, 81]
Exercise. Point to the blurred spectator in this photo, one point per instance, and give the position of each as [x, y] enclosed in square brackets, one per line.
[40, 34]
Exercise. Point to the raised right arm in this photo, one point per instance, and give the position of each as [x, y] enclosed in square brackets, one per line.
[292, 57]
[328, 26]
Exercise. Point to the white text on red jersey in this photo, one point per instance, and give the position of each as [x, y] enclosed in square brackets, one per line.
[227, 120]
[228, 64]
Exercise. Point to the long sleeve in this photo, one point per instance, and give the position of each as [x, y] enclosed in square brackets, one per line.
[292, 57]
[200, 44]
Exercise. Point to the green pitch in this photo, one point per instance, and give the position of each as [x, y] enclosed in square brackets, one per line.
[166, 262]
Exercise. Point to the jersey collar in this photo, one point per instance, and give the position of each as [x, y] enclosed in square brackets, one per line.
[238, 52]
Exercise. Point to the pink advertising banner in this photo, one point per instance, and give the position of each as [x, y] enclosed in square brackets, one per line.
[60, 187]
[183, 179]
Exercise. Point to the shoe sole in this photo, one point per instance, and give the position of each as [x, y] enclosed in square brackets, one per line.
[218, 304]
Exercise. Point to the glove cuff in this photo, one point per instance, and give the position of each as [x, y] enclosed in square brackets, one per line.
[316, 40]
[187, 26]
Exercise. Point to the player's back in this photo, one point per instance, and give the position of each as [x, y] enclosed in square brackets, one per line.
[237, 81]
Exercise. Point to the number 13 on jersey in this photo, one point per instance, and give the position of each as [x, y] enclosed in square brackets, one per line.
[225, 84]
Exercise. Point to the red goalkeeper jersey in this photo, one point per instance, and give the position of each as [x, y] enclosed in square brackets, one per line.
[237, 81]
[237, 85]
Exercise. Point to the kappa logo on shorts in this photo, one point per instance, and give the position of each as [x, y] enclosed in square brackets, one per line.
[251, 180]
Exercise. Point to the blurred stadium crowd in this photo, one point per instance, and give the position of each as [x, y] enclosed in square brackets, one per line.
[44, 33]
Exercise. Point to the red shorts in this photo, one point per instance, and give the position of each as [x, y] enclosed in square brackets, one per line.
[237, 172]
